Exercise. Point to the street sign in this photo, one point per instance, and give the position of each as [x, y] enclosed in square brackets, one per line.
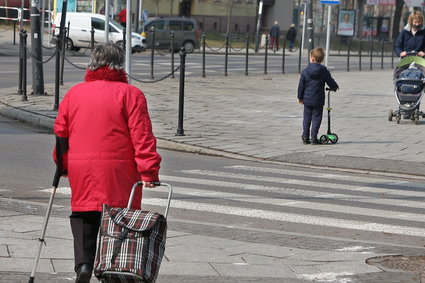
[334, 2]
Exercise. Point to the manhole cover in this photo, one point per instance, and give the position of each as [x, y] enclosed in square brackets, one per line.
[408, 263]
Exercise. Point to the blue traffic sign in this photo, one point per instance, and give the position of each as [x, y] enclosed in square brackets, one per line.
[334, 2]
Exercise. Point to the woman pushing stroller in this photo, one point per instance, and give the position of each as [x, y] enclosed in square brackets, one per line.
[409, 74]
[411, 40]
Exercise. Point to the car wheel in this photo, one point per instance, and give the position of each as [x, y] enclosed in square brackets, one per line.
[189, 46]
[69, 45]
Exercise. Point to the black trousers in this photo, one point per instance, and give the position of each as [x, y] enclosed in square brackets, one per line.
[85, 227]
[313, 119]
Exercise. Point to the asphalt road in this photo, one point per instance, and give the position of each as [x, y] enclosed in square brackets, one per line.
[214, 191]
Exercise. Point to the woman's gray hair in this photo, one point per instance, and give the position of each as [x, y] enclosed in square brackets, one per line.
[108, 54]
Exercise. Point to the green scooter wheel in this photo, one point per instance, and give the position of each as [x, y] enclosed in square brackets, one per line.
[333, 138]
[324, 139]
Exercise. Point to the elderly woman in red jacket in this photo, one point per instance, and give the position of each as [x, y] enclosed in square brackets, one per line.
[111, 146]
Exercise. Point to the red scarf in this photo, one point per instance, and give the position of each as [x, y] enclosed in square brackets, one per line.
[106, 74]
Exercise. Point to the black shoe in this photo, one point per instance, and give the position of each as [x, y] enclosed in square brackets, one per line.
[83, 273]
[315, 141]
[305, 140]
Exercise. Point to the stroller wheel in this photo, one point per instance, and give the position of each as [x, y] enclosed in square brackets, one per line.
[390, 115]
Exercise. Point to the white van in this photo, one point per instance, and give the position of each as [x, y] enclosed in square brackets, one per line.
[80, 25]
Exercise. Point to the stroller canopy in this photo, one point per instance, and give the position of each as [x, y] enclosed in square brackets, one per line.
[407, 60]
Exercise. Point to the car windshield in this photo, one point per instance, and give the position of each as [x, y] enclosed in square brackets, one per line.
[116, 24]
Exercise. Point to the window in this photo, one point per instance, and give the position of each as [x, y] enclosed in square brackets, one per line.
[175, 25]
[158, 25]
[98, 24]
[188, 26]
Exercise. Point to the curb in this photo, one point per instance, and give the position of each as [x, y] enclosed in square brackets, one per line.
[46, 122]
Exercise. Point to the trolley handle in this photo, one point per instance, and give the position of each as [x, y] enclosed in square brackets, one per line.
[158, 184]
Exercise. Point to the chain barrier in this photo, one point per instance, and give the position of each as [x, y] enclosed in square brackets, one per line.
[237, 49]
[48, 48]
[154, 81]
[34, 58]
[161, 53]
[212, 49]
[74, 65]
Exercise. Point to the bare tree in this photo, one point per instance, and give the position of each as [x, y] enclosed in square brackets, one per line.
[229, 15]
[397, 17]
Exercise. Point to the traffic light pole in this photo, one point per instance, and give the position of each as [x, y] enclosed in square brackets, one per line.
[310, 31]
[37, 56]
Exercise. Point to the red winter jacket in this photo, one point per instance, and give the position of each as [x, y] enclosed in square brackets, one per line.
[111, 144]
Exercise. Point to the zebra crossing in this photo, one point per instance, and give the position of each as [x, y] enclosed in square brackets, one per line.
[298, 196]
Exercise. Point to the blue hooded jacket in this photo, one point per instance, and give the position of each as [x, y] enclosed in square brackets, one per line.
[311, 88]
[408, 42]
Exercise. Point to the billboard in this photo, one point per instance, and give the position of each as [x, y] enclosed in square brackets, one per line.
[346, 22]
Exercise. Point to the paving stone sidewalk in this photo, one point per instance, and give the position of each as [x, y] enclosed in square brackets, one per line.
[258, 117]
[251, 117]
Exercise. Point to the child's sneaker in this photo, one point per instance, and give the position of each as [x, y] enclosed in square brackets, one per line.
[305, 140]
[315, 141]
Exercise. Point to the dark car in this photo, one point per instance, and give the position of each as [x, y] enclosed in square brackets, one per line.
[186, 33]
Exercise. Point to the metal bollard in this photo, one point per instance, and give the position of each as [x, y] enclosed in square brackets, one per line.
[392, 58]
[299, 57]
[124, 42]
[226, 54]
[265, 54]
[360, 54]
[348, 55]
[152, 51]
[172, 53]
[63, 46]
[382, 54]
[91, 39]
[57, 69]
[14, 32]
[283, 55]
[246, 54]
[24, 67]
[371, 52]
[180, 130]
[21, 52]
[203, 54]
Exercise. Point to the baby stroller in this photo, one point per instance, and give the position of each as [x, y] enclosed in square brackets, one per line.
[409, 85]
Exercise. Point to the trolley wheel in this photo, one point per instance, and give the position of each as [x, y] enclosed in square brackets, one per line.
[390, 115]
[324, 139]
[334, 139]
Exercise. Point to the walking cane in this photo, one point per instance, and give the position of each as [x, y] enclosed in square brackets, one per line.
[61, 148]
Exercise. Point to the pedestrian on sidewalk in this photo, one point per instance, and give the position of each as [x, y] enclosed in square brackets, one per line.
[311, 93]
[122, 15]
[111, 146]
[274, 36]
[290, 36]
[411, 39]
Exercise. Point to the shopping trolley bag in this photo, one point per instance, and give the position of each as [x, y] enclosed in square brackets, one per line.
[131, 243]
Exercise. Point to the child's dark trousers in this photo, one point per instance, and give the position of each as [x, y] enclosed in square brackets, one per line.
[313, 119]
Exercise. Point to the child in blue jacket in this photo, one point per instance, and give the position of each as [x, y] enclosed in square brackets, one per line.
[311, 93]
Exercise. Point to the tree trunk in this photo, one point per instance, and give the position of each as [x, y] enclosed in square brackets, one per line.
[397, 17]
[229, 17]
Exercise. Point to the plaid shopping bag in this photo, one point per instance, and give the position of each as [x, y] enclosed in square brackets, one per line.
[131, 245]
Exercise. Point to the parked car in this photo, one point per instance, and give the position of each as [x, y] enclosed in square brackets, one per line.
[186, 33]
[80, 25]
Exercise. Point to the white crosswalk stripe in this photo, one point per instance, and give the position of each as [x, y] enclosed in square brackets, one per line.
[342, 201]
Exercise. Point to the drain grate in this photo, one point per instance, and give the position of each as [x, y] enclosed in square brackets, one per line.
[408, 263]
